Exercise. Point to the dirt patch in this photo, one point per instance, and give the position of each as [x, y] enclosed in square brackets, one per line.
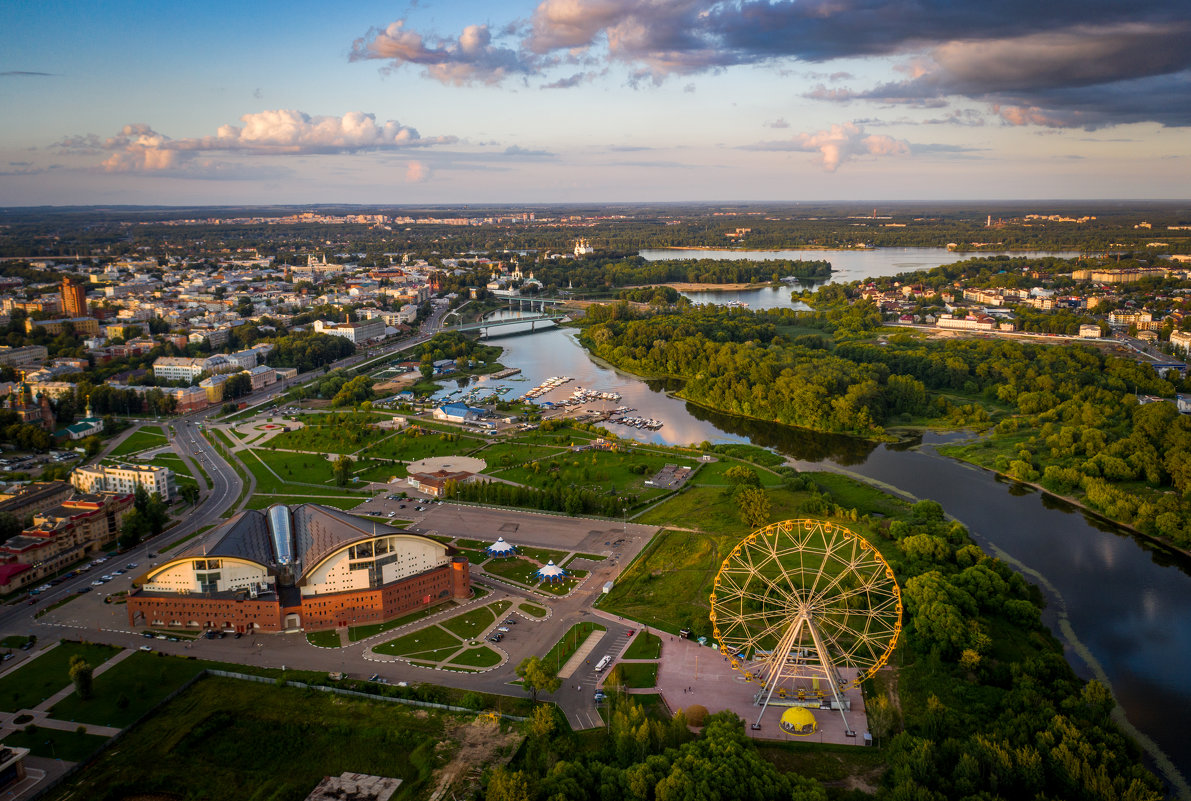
[481, 744]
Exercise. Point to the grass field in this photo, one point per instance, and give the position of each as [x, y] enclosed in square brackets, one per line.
[410, 446]
[533, 610]
[515, 569]
[500, 455]
[543, 555]
[638, 675]
[37, 680]
[644, 646]
[597, 470]
[143, 438]
[418, 643]
[714, 474]
[70, 746]
[357, 633]
[128, 690]
[481, 657]
[324, 639]
[197, 744]
[469, 626]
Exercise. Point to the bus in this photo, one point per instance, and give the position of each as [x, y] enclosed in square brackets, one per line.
[603, 663]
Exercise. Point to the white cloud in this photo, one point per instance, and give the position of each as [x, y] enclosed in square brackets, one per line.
[840, 143]
[137, 147]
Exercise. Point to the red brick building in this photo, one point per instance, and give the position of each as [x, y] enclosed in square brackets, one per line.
[305, 566]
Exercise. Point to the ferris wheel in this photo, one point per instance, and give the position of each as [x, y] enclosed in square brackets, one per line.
[802, 601]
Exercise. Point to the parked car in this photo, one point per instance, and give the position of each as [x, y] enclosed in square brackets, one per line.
[82, 590]
[146, 648]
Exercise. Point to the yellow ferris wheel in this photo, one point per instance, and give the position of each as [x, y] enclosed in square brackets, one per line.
[802, 601]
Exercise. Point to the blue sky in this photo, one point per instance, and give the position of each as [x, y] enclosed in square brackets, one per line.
[592, 100]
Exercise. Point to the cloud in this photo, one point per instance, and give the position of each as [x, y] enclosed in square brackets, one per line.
[778, 123]
[416, 172]
[515, 150]
[468, 59]
[1027, 57]
[26, 74]
[139, 148]
[567, 83]
[838, 144]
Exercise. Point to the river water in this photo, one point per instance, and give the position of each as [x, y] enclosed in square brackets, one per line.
[1121, 607]
[846, 266]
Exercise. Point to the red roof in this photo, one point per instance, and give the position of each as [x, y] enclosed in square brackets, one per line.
[14, 569]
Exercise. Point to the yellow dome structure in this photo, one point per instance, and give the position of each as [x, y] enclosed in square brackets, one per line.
[798, 721]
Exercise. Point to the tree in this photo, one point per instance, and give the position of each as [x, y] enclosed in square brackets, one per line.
[342, 470]
[507, 785]
[536, 677]
[189, 493]
[237, 386]
[739, 475]
[754, 506]
[80, 674]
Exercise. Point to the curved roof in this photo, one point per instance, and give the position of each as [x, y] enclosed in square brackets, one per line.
[501, 546]
[302, 535]
[797, 720]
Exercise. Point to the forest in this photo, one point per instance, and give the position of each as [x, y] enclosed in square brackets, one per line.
[1068, 417]
[984, 706]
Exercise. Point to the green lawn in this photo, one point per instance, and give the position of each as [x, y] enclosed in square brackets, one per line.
[142, 439]
[357, 633]
[306, 468]
[411, 446]
[69, 746]
[597, 470]
[557, 656]
[324, 639]
[645, 645]
[327, 437]
[636, 675]
[477, 657]
[501, 455]
[543, 555]
[475, 557]
[469, 626]
[713, 473]
[226, 739]
[533, 610]
[128, 690]
[515, 569]
[417, 642]
[37, 680]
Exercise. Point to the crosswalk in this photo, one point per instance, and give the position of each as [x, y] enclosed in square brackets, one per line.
[584, 714]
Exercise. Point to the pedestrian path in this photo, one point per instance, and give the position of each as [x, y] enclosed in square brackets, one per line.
[589, 645]
[40, 714]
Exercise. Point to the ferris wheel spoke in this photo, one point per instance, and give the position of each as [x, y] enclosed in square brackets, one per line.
[807, 574]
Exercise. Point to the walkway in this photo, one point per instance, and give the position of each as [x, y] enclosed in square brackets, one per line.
[40, 714]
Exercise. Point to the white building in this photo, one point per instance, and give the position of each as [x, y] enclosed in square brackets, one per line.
[125, 479]
[356, 333]
[1180, 340]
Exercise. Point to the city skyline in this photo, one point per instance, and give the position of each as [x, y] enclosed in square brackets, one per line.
[593, 100]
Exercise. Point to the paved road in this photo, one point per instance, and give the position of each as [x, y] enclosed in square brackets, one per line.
[89, 617]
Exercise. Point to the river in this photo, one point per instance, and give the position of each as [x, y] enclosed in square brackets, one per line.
[846, 265]
[1121, 607]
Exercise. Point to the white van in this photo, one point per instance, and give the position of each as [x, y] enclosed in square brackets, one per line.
[603, 663]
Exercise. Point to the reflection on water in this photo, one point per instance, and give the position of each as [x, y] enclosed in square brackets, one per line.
[846, 266]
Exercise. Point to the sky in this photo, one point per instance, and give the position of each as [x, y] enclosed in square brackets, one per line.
[461, 101]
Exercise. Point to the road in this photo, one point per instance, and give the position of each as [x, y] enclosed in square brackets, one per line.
[89, 617]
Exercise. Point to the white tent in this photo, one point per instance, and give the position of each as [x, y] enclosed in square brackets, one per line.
[551, 572]
[501, 549]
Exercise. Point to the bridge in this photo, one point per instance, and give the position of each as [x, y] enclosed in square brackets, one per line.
[545, 321]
